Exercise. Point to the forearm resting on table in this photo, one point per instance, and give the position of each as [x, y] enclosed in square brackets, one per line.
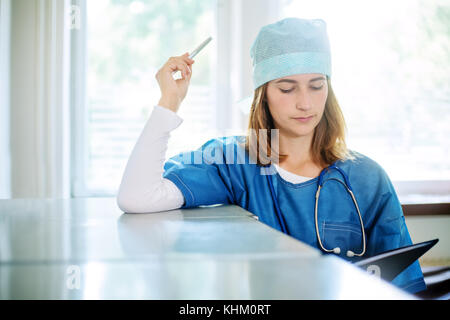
[143, 188]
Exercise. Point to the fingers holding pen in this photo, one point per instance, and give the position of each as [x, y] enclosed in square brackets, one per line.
[173, 90]
[189, 62]
[187, 59]
[183, 64]
[176, 64]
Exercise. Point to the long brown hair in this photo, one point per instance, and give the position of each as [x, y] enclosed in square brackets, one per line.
[328, 143]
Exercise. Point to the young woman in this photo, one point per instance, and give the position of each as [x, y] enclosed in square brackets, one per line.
[305, 182]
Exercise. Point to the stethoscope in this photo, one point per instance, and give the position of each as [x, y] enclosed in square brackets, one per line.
[320, 183]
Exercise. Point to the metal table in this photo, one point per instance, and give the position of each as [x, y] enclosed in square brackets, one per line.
[86, 248]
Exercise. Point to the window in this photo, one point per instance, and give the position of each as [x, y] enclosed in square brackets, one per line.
[390, 62]
[126, 43]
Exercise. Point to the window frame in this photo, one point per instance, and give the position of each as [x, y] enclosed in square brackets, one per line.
[78, 99]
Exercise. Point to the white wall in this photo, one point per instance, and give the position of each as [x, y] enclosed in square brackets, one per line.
[423, 228]
[24, 168]
[5, 10]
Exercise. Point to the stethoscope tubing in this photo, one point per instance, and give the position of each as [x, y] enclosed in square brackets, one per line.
[320, 183]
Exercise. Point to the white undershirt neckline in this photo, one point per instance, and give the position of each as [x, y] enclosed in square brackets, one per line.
[291, 177]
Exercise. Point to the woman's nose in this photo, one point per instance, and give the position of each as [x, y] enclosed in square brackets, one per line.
[303, 102]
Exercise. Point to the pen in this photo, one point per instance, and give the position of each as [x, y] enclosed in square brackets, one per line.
[199, 48]
[196, 51]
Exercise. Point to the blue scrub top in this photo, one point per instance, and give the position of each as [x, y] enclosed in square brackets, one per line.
[221, 172]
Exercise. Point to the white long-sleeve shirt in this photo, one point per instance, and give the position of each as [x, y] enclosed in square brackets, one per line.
[143, 188]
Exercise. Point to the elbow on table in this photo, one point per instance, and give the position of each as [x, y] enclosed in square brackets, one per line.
[129, 204]
[132, 203]
[123, 203]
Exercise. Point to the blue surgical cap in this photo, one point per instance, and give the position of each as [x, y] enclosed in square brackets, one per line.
[290, 46]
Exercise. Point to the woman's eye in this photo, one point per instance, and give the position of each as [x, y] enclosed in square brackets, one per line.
[314, 88]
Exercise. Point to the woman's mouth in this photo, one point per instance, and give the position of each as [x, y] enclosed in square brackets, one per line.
[306, 119]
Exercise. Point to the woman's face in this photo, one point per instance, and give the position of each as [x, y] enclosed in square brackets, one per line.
[297, 102]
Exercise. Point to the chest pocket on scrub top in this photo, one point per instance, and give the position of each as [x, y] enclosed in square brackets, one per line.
[345, 235]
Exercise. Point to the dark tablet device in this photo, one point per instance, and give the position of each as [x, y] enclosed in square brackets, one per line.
[389, 264]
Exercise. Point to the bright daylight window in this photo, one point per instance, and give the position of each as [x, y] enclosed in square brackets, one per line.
[127, 42]
[390, 65]
[390, 62]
